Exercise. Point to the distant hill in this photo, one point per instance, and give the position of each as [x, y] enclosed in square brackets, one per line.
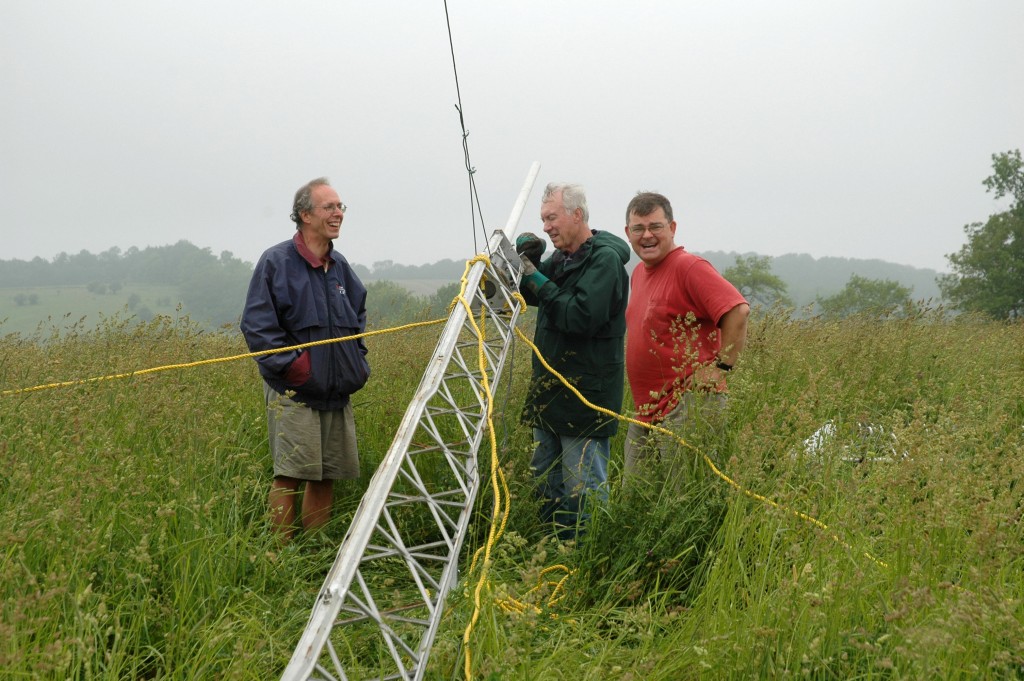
[185, 279]
[806, 277]
[175, 280]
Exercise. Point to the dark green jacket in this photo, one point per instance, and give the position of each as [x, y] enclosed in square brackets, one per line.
[581, 330]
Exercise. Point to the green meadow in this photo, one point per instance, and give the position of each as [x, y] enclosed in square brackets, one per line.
[134, 536]
[41, 309]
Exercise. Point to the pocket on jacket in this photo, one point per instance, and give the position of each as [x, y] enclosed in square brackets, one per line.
[353, 367]
[337, 369]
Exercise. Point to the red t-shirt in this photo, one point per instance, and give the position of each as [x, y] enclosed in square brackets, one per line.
[671, 327]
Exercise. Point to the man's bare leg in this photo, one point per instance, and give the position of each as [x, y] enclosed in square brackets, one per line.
[317, 499]
[282, 498]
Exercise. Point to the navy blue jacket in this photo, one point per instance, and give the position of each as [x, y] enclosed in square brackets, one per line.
[291, 302]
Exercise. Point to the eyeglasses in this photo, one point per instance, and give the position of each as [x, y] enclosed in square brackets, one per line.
[655, 229]
[331, 207]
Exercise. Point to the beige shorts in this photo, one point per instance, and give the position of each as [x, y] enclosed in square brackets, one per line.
[308, 444]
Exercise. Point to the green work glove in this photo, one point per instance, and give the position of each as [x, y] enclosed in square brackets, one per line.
[532, 279]
[530, 245]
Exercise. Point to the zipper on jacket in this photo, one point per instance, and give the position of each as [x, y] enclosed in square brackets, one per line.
[330, 334]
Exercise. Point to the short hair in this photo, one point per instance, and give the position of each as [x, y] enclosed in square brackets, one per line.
[645, 203]
[573, 197]
[303, 202]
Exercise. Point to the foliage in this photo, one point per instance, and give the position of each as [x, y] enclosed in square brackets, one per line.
[215, 290]
[388, 303]
[1008, 176]
[866, 296]
[69, 308]
[134, 539]
[442, 299]
[808, 278]
[445, 268]
[209, 288]
[753, 277]
[988, 274]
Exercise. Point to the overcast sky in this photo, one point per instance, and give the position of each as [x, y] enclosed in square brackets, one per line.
[851, 128]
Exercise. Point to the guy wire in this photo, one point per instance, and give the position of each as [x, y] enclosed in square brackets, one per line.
[474, 197]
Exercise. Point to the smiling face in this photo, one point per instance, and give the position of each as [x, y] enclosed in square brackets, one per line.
[323, 223]
[567, 231]
[652, 236]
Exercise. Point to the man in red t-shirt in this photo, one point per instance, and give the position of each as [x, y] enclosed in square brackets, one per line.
[685, 328]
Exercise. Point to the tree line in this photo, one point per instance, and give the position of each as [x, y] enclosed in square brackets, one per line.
[210, 288]
[207, 286]
[988, 272]
[987, 276]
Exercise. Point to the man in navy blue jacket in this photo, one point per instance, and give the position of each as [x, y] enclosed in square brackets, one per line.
[303, 290]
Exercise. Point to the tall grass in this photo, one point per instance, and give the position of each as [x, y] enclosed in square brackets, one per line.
[134, 538]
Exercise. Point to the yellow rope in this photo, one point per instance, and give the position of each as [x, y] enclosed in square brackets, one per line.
[753, 495]
[521, 606]
[518, 606]
[217, 360]
[500, 507]
[499, 483]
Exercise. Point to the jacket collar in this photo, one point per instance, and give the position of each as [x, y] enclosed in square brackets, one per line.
[308, 255]
[563, 259]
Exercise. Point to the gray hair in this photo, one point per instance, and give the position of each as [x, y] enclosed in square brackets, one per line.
[645, 203]
[303, 202]
[573, 197]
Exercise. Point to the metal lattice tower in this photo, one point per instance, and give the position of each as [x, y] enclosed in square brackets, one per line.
[380, 607]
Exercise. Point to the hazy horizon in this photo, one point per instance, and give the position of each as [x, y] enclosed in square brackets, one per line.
[846, 129]
[369, 265]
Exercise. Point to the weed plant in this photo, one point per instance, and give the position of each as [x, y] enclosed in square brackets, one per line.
[134, 537]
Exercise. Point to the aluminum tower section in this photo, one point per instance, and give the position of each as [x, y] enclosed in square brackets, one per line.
[380, 607]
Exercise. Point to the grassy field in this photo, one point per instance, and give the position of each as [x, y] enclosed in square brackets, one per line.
[48, 309]
[420, 287]
[64, 307]
[134, 537]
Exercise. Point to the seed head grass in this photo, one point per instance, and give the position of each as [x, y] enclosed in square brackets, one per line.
[135, 540]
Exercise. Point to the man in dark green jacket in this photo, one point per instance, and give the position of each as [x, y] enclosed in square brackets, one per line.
[580, 293]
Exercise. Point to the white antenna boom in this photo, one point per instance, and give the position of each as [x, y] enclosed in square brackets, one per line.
[517, 210]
